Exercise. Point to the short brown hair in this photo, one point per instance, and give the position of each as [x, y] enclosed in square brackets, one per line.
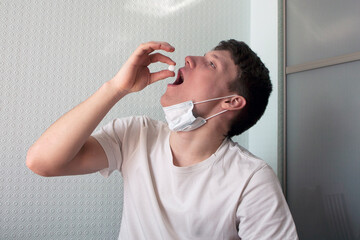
[252, 82]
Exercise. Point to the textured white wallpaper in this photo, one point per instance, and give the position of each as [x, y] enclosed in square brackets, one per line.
[53, 55]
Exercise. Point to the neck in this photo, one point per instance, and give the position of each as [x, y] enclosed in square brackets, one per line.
[189, 148]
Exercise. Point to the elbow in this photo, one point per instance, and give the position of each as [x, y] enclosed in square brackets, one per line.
[35, 164]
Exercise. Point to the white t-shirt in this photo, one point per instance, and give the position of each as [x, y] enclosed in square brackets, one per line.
[230, 195]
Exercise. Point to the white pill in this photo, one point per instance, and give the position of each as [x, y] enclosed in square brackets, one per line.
[171, 67]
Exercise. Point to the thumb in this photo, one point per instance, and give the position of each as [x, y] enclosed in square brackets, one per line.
[156, 76]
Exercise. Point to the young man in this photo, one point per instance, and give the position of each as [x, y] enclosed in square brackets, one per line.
[185, 179]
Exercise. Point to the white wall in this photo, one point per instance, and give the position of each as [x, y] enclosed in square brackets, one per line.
[53, 55]
[263, 137]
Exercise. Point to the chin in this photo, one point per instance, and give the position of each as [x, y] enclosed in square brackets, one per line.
[163, 100]
[167, 100]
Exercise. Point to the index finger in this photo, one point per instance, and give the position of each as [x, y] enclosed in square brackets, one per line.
[158, 57]
[146, 48]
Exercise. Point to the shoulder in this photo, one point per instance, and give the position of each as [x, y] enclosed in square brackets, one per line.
[137, 122]
[241, 167]
[242, 160]
[133, 126]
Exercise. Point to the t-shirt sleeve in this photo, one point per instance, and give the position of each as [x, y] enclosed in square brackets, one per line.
[109, 138]
[263, 212]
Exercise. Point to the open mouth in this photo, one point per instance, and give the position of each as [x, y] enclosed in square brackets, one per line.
[179, 79]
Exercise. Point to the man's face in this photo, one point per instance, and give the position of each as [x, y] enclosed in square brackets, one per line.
[202, 77]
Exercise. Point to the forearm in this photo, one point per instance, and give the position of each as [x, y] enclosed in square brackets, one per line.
[67, 140]
[59, 144]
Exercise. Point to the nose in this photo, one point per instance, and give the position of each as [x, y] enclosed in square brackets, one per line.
[190, 61]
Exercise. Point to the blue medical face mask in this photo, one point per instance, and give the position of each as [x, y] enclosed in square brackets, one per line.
[180, 117]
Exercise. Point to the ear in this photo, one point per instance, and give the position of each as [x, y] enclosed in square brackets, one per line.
[234, 103]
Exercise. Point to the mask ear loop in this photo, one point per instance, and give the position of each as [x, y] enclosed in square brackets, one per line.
[213, 99]
[216, 114]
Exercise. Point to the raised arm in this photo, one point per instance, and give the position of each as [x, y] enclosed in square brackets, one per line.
[66, 147]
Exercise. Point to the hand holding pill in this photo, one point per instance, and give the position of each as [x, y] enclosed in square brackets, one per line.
[135, 75]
